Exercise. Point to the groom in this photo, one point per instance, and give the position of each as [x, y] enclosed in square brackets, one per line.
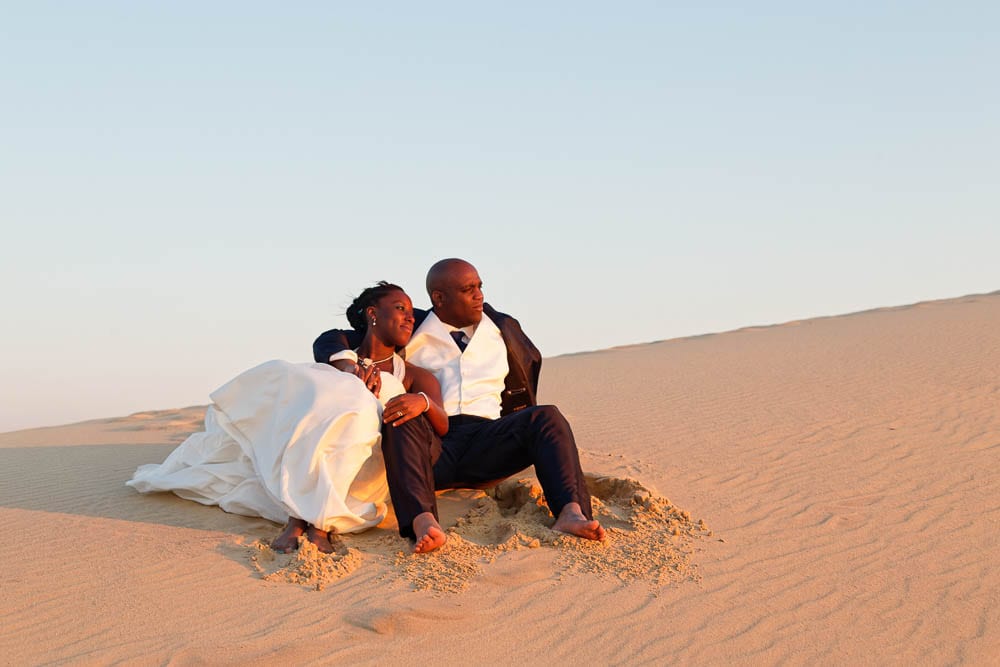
[488, 371]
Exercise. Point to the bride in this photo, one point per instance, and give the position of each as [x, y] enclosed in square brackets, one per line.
[301, 441]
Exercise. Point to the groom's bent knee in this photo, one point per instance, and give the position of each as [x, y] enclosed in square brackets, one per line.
[548, 418]
[418, 428]
[415, 435]
[549, 413]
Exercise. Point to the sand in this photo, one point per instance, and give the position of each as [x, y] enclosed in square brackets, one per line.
[833, 499]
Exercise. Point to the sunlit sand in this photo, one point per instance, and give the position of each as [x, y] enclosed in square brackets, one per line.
[818, 492]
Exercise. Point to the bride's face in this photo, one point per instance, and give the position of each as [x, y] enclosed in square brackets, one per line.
[394, 319]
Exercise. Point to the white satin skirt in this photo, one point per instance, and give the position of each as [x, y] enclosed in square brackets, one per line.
[285, 439]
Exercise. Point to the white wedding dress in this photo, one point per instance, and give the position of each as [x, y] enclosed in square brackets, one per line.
[285, 439]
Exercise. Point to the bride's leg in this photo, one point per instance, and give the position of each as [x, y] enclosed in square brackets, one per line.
[320, 538]
[289, 538]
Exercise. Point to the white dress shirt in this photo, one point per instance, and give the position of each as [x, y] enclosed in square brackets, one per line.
[471, 381]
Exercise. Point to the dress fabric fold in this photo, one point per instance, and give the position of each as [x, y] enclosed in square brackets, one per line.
[285, 439]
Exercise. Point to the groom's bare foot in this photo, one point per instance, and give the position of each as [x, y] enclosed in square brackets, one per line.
[430, 535]
[572, 521]
[320, 538]
[288, 541]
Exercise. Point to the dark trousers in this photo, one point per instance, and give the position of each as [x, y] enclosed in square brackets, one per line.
[478, 453]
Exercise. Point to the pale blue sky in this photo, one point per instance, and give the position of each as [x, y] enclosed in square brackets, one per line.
[188, 189]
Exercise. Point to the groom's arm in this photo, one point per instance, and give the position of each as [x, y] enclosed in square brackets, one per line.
[337, 340]
[333, 341]
[524, 363]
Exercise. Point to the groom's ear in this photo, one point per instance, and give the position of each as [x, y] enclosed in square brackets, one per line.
[437, 298]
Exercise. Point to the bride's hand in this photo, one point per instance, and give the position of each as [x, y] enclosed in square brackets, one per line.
[401, 409]
[371, 376]
[367, 374]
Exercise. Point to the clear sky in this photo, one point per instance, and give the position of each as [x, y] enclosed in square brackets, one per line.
[188, 189]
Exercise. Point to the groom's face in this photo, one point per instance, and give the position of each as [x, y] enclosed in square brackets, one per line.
[459, 300]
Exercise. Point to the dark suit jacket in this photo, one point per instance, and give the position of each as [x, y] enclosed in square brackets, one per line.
[523, 358]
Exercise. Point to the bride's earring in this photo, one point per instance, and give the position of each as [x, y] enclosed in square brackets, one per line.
[373, 323]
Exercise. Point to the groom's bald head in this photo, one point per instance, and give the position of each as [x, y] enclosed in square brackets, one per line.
[456, 292]
[444, 271]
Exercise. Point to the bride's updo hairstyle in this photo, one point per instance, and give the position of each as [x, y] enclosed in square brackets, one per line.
[370, 297]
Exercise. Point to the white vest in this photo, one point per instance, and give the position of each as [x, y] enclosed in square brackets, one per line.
[471, 381]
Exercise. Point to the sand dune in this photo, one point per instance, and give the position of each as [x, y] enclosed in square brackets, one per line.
[845, 468]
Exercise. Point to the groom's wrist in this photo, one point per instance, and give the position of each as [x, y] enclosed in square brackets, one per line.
[345, 365]
[344, 355]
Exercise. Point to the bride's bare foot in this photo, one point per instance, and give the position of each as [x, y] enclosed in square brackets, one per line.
[430, 535]
[572, 521]
[320, 538]
[288, 541]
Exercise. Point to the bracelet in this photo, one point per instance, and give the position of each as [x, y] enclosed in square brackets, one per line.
[428, 402]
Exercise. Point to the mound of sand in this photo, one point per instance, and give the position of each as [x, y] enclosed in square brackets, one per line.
[648, 539]
[307, 566]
